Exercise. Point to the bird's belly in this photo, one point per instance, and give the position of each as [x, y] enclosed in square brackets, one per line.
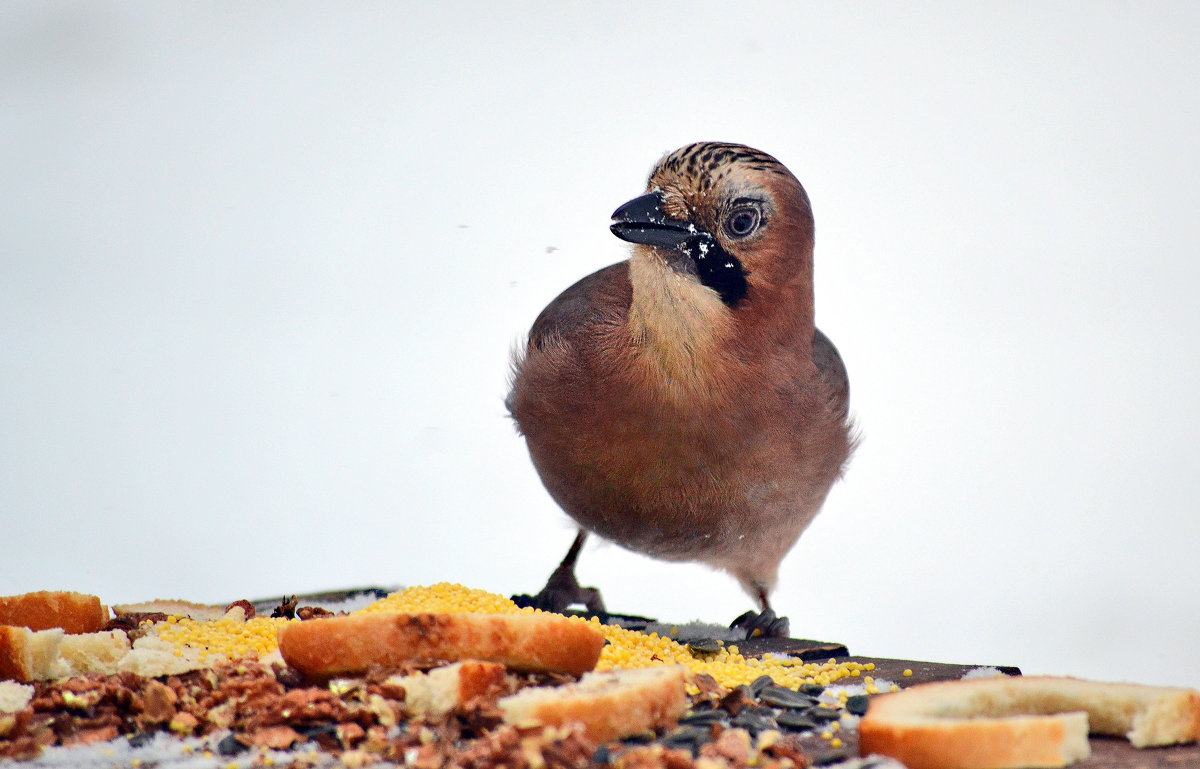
[670, 493]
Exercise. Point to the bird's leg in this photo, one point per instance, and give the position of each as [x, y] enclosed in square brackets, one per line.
[762, 623]
[562, 589]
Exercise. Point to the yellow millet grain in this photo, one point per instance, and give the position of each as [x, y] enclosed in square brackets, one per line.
[224, 637]
[445, 598]
[625, 648]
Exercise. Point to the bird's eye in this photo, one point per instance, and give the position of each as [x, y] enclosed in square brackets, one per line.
[742, 222]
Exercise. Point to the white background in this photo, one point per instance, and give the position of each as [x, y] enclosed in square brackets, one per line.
[261, 267]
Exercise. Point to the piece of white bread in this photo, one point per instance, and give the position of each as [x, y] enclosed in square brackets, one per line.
[152, 656]
[1022, 721]
[178, 608]
[45, 609]
[14, 697]
[41, 655]
[610, 704]
[26, 655]
[90, 653]
[535, 642]
[446, 689]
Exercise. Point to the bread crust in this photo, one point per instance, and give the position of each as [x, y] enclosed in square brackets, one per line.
[179, 608]
[16, 653]
[28, 655]
[45, 609]
[538, 642]
[610, 705]
[1040, 721]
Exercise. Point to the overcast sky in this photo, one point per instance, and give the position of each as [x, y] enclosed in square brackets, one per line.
[262, 266]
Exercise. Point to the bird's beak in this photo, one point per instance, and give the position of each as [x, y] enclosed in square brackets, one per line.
[642, 220]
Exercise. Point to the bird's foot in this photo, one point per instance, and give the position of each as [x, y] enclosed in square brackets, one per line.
[762, 623]
[562, 590]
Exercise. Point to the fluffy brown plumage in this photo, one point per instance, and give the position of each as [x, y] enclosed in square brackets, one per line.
[682, 403]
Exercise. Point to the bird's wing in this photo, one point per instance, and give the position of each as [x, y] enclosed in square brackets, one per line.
[832, 371]
[583, 304]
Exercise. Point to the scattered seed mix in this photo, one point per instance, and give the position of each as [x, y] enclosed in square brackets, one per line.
[625, 648]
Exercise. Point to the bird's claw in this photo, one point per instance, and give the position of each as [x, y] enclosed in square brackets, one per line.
[762, 623]
[562, 590]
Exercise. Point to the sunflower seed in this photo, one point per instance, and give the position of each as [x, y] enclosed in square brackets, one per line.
[826, 757]
[138, 740]
[760, 683]
[687, 737]
[753, 720]
[857, 704]
[230, 746]
[785, 698]
[824, 715]
[317, 730]
[705, 717]
[704, 646]
[795, 720]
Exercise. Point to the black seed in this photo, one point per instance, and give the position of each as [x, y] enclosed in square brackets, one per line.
[753, 720]
[705, 717]
[316, 730]
[824, 715]
[704, 646]
[829, 757]
[785, 698]
[699, 733]
[688, 738]
[813, 690]
[138, 740]
[229, 746]
[645, 738]
[760, 683]
[795, 720]
[857, 704]
[602, 756]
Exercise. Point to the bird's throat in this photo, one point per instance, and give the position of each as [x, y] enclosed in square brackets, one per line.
[677, 325]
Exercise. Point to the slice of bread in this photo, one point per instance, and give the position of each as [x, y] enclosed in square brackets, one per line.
[1022, 721]
[45, 609]
[196, 611]
[537, 642]
[610, 704]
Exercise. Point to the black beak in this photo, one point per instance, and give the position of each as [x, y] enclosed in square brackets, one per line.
[642, 220]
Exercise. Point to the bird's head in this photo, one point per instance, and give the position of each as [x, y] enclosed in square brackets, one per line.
[726, 216]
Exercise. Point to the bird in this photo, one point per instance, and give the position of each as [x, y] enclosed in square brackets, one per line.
[682, 403]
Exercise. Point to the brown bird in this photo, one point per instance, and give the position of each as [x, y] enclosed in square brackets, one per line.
[682, 403]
